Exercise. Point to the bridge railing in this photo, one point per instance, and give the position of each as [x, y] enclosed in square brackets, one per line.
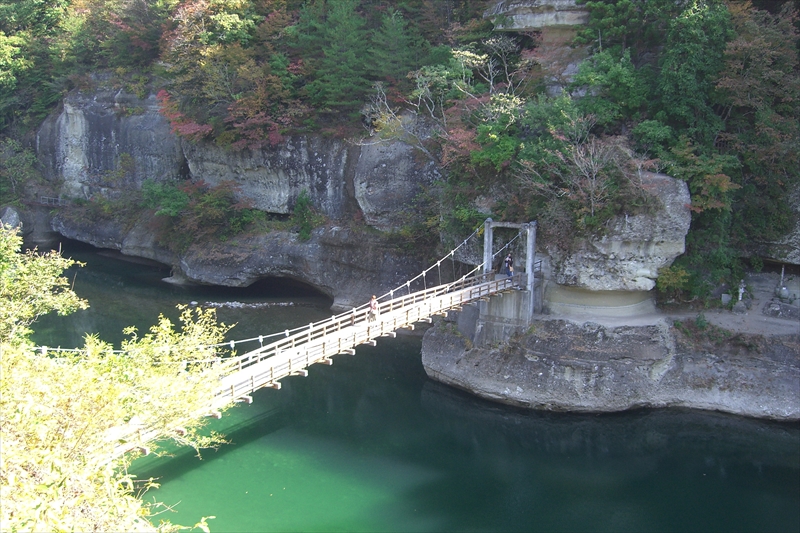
[51, 201]
[360, 315]
[292, 355]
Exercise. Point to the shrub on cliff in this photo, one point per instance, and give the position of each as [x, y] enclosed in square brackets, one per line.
[191, 212]
[304, 217]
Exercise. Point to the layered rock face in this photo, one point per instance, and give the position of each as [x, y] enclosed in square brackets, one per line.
[346, 265]
[106, 142]
[628, 256]
[109, 142]
[564, 366]
[531, 14]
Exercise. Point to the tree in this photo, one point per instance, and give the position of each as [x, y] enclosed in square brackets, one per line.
[62, 414]
[37, 16]
[759, 89]
[565, 168]
[340, 73]
[396, 50]
[12, 61]
[30, 285]
[208, 45]
[692, 59]
[28, 28]
[614, 89]
[17, 169]
[636, 26]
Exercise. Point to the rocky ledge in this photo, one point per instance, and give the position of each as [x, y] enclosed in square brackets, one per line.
[561, 365]
[346, 265]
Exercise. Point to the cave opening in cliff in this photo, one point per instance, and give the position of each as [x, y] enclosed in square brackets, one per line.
[278, 287]
[153, 273]
[71, 247]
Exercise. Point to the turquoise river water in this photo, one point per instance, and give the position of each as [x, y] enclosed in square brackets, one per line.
[372, 444]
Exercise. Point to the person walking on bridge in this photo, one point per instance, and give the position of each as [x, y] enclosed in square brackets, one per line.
[509, 264]
[372, 316]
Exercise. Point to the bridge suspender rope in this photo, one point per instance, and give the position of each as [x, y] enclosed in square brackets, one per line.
[302, 347]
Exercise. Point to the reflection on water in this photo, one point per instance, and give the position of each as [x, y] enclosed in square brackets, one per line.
[371, 444]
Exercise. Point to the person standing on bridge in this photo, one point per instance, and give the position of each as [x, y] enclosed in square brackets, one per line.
[509, 264]
[373, 309]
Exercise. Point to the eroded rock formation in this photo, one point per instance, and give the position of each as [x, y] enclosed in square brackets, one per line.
[530, 14]
[629, 254]
[564, 366]
[109, 142]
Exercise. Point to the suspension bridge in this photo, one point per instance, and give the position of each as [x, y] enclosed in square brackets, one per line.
[296, 350]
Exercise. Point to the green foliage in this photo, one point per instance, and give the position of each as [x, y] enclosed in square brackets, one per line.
[708, 175]
[672, 281]
[396, 48]
[30, 285]
[692, 59]
[653, 136]
[615, 89]
[620, 25]
[498, 147]
[12, 60]
[710, 257]
[337, 33]
[17, 170]
[583, 180]
[60, 413]
[497, 132]
[701, 321]
[166, 198]
[463, 218]
[721, 114]
[759, 88]
[196, 212]
[304, 216]
[36, 16]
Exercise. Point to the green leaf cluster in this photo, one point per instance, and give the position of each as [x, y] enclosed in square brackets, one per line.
[197, 212]
[30, 285]
[304, 217]
[63, 414]
[17, 171]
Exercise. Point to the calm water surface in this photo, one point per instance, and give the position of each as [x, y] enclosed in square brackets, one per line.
[371, 444]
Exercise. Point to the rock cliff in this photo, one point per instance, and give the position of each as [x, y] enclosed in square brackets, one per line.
[344, 264]
[108, 142]
[531, 14]
[561, 365]
[629, 254]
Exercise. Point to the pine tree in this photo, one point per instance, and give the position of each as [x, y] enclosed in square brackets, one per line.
[341, 72]
[396, 48]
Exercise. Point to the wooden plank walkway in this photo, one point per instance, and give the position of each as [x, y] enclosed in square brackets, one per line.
[292, 355]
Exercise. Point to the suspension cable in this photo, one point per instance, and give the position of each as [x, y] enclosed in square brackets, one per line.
[286, 333]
